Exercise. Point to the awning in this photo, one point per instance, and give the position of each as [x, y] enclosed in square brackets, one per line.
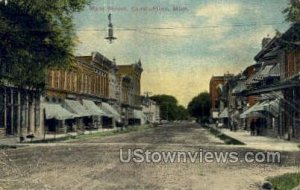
[265, 106]
[264, 72]
[56, 111]
[92, 108]
[271, 95]
[77, 108]
[273, 107]
[256, 114]
[111, 111]
[252, 79]
[240, 87]
[275, 71]
[138, 114]
[246, 113]
[262, 106]
[224, 113]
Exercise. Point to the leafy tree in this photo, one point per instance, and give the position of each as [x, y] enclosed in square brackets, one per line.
[182, 113]
[36, 35]
[199, 107]
[292, 12]
[163, 99]
[169, 108]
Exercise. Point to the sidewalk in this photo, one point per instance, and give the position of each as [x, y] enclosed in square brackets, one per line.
[262, 142]
[14, 141]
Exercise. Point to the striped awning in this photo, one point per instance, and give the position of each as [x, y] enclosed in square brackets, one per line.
[264, 73]
[76, 107]
[275, 71]
[240, 87]
[111, 111]
[270, 106]
[246, 113]
[92, 108]
[273, 107]
[56, 111]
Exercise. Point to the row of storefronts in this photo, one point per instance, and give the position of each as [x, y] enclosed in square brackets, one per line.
[19, 111]
[93, 93]
[265, 97]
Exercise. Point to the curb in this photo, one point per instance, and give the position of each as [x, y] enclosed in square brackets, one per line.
[227, 139]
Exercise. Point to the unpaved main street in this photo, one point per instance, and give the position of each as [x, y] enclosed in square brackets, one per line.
[95, 163]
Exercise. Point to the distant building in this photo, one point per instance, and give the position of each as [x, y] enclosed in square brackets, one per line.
[129, 79]
[216, 87]
[151, 110]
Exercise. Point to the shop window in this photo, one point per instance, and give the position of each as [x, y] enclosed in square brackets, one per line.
[47, 99]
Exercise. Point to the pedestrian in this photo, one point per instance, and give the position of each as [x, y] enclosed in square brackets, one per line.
[235, 125]
[252, 127]
[257, 127]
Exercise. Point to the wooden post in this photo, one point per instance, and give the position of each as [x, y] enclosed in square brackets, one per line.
[12, 111]
[27, 114]
[5, 111]
[19, 113]
[32, 114]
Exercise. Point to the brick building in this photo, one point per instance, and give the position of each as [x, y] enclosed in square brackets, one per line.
[80, 93]
[129, 79]
[216, 87]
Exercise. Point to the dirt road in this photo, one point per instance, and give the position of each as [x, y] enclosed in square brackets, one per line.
[95, 163]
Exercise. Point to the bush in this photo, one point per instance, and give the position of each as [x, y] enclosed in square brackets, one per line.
[286, 181]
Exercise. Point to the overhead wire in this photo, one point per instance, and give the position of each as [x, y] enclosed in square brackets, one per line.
[151, 30]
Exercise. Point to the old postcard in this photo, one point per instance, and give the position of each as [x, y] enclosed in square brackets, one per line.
[136, 94]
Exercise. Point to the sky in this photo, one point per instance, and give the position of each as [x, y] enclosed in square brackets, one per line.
[180, 49]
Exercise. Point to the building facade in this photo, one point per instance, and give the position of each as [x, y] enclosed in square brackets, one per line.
[151, 110]
[85, 93]
[91, 93]
[216, 90]
[269, 89]
[129, 79]
[19, 112]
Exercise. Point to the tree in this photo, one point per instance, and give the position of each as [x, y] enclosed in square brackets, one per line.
[36, 36]
[182, 113]
[292, 12]
[199, 107]
[169, 108]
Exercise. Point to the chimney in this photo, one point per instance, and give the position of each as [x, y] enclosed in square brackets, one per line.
[265, 41]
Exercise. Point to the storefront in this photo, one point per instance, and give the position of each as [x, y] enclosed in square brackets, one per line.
[85, 119]
[111, 113]
[58, 119]
[19, 112]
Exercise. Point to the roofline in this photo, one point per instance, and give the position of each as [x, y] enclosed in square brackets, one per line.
[263, 51]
